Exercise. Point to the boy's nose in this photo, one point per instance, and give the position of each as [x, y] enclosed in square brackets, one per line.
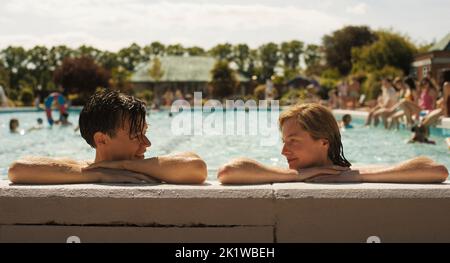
[146, 142]
[284, 150]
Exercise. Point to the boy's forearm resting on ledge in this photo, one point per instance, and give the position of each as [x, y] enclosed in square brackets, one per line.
[33, 170]
[176, 169]
[183, 168]
[418, 170]
[246, 171]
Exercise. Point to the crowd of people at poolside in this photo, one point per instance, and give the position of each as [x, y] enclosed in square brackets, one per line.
[416, 105]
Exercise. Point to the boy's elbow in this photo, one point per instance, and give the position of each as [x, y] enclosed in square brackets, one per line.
[441, 173]
[223, 175]
[231, 173]
[199, 171]
[16, 173]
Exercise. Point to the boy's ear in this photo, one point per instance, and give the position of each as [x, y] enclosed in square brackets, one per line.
[100, 138]
[325, 142]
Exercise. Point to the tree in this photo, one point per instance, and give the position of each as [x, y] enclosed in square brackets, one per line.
[195, 51]
[130, 57]
[313, 56]
[81, 75]
[39, 68]
[156, 71]
[291, 52]
[56, 56]
[254, 65]
[4, 79]
[109, 60]
[14, 61]
[120, 79]
[154, 49]
[338, 46]
[241, 56]
[222, 51]
[269, 57]
[175, 50]
[88, 51]
[224, 80]
[390, 49]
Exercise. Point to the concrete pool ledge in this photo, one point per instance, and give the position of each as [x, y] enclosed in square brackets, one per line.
[295, 212]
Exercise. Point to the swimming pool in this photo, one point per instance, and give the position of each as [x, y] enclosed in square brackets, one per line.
[361, 145]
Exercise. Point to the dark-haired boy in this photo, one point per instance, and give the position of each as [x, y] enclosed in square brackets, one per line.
[114, 124]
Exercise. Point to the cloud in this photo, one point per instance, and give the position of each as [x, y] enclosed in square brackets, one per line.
[114, 24]
[358, 9]
[111, 23]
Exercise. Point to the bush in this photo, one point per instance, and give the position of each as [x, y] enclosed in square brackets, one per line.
[224, 81]
[293, 96]
[328, 84]
[77, 100]
[260, 92]
[331, 73]
[145, 95]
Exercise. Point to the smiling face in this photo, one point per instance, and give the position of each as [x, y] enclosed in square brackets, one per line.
[300, 149]
[114, 124]
[311, 137]
[122, 145]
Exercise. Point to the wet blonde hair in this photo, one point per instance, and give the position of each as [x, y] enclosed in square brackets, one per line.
[320, 123]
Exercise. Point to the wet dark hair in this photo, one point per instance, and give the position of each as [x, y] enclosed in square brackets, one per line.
[420, 133]
[346, 117]
[109, 110]
[12, 122]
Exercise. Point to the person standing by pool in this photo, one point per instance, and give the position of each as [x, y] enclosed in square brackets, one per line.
[114, 124]
[354, 91]
[343, 94]
[313, 148]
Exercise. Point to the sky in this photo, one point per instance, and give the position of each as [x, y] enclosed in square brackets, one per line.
[114, 24]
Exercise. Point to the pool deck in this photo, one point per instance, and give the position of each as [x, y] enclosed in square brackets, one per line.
[281, 213]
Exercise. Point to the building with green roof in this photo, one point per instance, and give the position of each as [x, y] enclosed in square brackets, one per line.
[433, 62]
[187, 74]
[443, 45]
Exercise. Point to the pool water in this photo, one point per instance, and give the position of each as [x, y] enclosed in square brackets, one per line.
[362, 145]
